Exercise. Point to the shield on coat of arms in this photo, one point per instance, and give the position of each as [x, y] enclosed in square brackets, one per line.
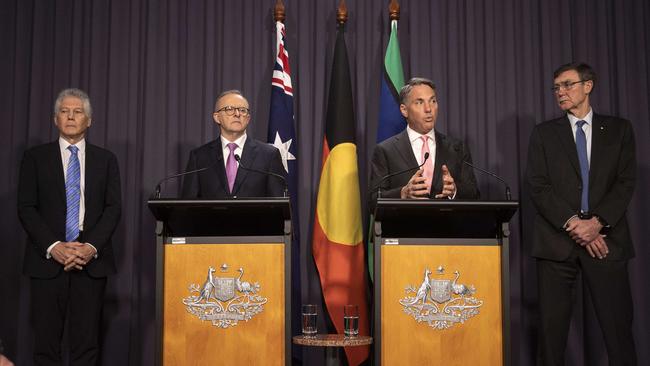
[224, 288]
[440, 290]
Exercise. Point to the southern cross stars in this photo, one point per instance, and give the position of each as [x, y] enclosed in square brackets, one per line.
[284, 150]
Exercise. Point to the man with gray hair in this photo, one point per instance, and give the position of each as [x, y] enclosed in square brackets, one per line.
[581, 175]
[234, 150]
[69, 204]
[442, 173]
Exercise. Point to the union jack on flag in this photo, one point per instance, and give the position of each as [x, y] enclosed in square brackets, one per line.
[281, 132]
[281, 71]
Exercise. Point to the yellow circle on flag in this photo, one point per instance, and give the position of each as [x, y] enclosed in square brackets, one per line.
[338, 204]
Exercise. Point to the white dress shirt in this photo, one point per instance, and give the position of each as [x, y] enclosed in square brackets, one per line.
[417, 144]
[65, 158]
[238, 151]
[587, 128]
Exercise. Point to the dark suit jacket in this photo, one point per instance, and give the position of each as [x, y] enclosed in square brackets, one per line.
[555, 184]
[213, 184]
[395, 154]
[42, 207]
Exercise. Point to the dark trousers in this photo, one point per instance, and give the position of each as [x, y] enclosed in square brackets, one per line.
[78, 297]
[609, 286]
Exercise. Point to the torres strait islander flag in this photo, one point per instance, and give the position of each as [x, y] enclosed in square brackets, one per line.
[391, 121]
[338, 238]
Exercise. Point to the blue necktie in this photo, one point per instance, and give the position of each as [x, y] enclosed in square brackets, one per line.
[72, 195]
[581, 146]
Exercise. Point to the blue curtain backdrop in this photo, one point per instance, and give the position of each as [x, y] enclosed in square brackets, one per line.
[153, 69]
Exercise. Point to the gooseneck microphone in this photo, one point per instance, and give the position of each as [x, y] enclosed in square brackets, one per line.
[158, 186]
[508, 196]
[384, 178]
[284, 180]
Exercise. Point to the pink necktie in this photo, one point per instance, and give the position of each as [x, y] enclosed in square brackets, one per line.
[428, 166]
[231, 166]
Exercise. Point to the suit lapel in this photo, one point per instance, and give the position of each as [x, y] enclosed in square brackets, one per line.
[404, 149]
[247, 158]
[441, 158]
[216, 160]
[56, 165]
[89, 175]
[598, 141]
[565, 135]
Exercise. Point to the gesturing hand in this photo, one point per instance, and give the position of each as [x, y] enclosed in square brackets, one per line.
[448, 185]
[416, 186]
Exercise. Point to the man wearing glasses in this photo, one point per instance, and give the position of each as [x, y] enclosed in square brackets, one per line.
[238, 166]
[581, 174]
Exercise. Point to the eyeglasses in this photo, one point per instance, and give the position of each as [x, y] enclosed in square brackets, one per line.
[566, 85]
[75, 111]
[230, 110]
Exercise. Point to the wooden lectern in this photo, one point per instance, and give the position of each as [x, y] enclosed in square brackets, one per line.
[223, 281]
[441, 284]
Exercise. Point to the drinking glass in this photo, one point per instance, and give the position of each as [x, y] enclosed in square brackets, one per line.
[351, 320]
[309, 316]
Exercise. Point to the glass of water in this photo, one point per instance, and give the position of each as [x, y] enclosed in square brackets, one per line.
[309, 316]
[351, 320]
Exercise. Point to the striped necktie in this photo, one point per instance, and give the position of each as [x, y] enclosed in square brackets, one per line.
[72, 195]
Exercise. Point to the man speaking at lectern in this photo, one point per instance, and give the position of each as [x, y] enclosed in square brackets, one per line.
[442, 173]
[237, 165]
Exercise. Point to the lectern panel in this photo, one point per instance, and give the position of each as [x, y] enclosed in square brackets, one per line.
[224, 304]
[441, 305]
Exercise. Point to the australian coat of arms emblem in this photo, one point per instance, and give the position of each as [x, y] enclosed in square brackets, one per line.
[441, 303]
[224, 300]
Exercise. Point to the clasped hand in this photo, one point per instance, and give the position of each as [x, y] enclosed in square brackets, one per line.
[418, 188]
[72, 255]
[586, 233]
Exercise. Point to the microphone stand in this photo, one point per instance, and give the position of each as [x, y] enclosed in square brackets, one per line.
[508, 195]
[284, 180]
[157, 190]
[378, 186]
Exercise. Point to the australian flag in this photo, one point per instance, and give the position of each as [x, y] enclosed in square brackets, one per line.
[283, 136]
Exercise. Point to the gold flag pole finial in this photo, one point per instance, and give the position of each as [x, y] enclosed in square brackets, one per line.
[393, 10]
[278, 12]
[342, 13]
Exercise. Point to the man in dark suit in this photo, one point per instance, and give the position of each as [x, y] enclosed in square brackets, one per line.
[225, 178]
[581, 174]
[69, 204]
[443, 174]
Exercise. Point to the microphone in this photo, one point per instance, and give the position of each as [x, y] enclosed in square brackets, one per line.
[384, 178]
[158, 186]
[508, 196]
[283, 179]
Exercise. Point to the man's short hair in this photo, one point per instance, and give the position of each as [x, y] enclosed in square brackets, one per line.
[77, 93]
[223, 94]
[585, 72]
[406, 89]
